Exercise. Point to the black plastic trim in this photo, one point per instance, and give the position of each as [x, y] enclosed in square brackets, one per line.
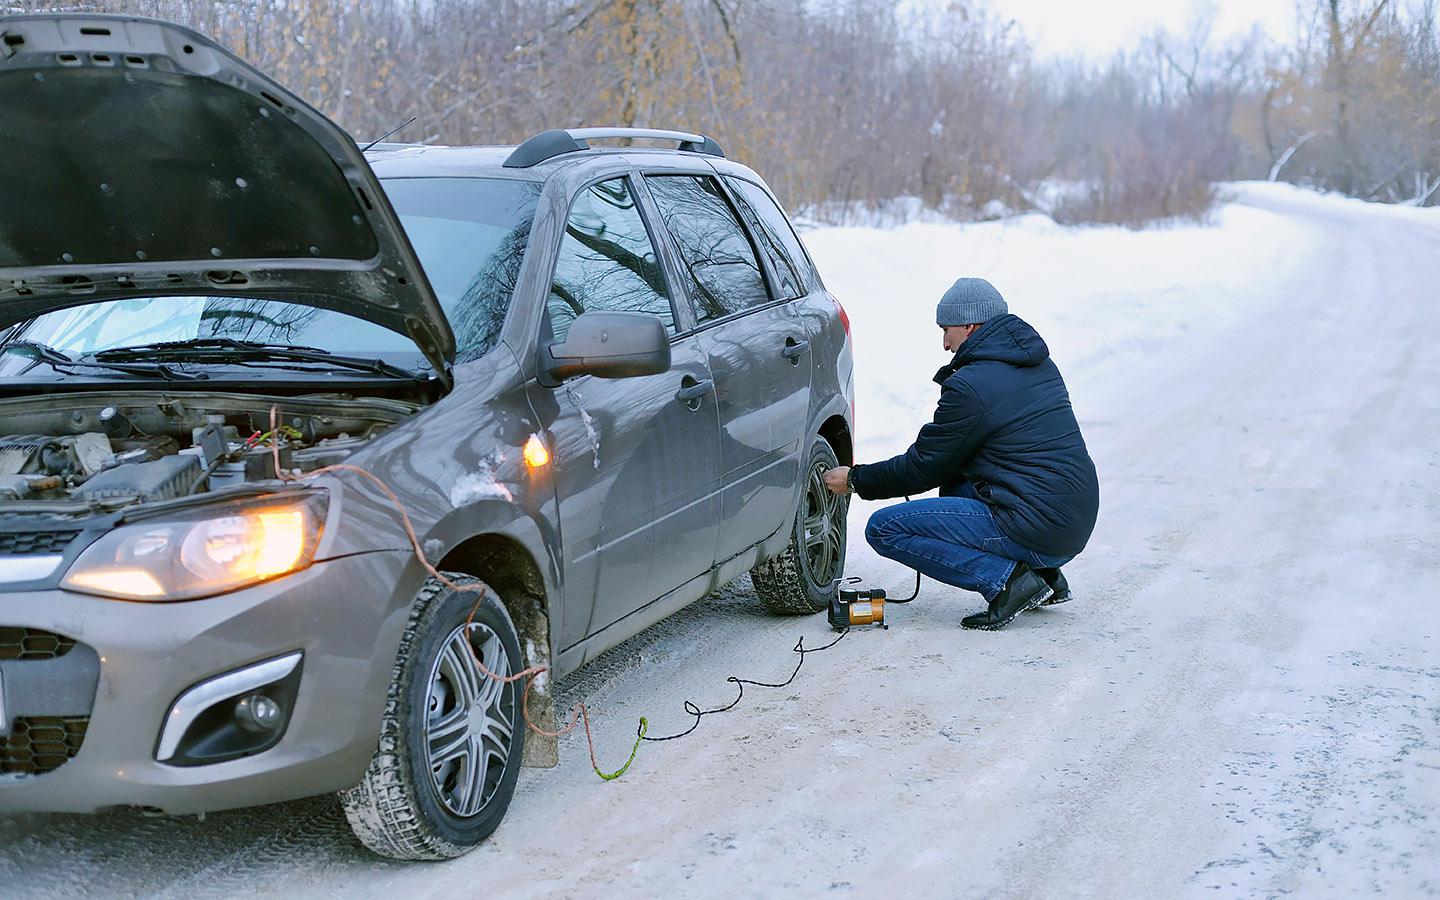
[215, 737]
[543, 146]
[708, 146]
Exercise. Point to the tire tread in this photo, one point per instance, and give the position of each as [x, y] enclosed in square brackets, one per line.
[381, 809]
[781, 583]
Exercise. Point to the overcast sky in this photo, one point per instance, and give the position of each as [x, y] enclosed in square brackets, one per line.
[1097, 28]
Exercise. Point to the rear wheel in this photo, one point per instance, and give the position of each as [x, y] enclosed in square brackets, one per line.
[451, 738]
[802, 579]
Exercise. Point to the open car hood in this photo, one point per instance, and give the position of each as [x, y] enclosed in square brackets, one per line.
[140, 159]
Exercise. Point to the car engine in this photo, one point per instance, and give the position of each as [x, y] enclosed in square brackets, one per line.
[119, 449]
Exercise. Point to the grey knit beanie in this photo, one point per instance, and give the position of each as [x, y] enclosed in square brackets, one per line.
[970, 300]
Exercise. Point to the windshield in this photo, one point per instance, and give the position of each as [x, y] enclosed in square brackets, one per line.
[469, 233]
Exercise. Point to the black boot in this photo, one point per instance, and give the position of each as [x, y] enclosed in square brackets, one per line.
[1056, 580]
[1022, 591]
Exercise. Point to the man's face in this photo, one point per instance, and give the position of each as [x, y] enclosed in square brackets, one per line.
[955, 335]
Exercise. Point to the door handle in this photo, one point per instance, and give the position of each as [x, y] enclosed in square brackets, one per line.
[691, 391]
[793, 349]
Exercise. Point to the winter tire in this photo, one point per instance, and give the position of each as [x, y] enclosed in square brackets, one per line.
[802, 579]
[451, 738]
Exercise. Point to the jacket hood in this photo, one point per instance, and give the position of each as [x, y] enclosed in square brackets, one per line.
[1007, 339]
[142, 159]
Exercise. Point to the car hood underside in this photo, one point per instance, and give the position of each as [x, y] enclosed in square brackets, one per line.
[142, 159]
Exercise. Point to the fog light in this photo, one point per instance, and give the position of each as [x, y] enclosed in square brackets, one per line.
[258, 713]
[239, 713]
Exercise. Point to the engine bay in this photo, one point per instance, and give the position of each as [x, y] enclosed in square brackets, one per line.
[119, 448]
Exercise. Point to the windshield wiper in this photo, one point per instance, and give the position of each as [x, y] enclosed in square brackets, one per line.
[230, 350]
[59, 361]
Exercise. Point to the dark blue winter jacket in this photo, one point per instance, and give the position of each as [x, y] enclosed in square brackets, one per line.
[1005, 425]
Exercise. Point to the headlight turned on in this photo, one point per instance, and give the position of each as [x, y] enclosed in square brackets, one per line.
[210, 552]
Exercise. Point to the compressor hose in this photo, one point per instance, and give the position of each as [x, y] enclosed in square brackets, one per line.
[856, 579]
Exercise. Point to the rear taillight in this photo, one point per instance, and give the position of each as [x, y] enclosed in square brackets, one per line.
[844, 319]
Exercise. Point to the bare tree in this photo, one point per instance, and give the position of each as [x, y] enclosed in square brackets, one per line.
[849, 105]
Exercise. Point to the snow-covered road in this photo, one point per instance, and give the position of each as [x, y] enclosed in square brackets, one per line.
[1244, 698]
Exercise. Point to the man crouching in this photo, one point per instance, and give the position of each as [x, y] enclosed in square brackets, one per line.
[1018, 491]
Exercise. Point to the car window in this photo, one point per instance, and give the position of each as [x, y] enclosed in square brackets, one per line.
[724, 273]
[792, 267]
[470, 235]
[607, 260]
[145, 320]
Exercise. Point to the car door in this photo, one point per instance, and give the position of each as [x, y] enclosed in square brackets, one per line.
[635, 460]
[758, 349]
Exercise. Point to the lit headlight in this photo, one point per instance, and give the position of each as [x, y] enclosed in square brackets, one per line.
[182, 559]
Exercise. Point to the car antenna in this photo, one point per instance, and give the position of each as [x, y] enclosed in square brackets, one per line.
[382, 137]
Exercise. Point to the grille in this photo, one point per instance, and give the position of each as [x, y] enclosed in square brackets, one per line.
[41, 744]
[32, 643]
[21, 543]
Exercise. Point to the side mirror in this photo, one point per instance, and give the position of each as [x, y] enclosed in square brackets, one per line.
[610, 345]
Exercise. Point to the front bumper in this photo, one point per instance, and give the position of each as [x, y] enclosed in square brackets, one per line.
[344, 614]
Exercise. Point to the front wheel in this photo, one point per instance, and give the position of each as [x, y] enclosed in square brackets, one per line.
[802, 579]
[451, 738]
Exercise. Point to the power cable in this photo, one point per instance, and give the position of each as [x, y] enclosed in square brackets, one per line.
[579, 713]
[698, 713]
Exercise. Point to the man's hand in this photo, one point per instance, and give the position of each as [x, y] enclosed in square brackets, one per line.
[837, 479]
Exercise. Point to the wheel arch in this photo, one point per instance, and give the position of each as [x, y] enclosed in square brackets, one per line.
[836, 431]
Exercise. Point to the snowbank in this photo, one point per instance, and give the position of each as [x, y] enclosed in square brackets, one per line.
[1102, 297]
[1299, 199]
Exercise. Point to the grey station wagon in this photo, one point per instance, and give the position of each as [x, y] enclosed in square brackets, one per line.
[600, 382]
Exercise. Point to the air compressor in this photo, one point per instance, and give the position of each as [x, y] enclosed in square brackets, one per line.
[851, 608]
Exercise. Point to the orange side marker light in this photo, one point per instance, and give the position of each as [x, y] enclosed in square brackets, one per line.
[535, 453]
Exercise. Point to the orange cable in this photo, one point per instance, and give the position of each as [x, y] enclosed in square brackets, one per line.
[578, 713]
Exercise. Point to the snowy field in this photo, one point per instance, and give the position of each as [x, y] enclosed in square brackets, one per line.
[1243, 699]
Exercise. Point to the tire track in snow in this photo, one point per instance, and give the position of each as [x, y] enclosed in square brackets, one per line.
[1214, 711]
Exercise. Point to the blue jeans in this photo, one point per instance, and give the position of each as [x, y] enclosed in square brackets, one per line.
[954, 540]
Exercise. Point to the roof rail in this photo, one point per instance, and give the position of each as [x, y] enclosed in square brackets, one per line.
[549, 144]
